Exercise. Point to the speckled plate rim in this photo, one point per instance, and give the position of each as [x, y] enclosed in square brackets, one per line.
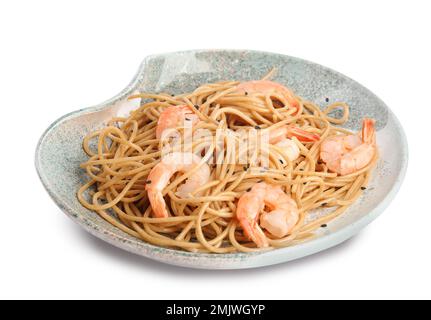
[276, 256]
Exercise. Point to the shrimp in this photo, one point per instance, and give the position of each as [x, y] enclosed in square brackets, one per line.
[160, 175]
[290, 148]
[281, 138]
[174, 116]
[266, 86]
[279, 221]
[279, 134]
[346, 154]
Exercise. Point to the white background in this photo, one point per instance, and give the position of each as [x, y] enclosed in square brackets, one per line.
[58, 57]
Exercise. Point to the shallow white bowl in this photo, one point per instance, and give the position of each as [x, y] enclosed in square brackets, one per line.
[59, 151]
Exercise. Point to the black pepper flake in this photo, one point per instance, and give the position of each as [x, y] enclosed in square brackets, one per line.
[324, 204]
[196, 106]
[363, 188]
[281, 161]
[187, 119]
[324, 225]
[248, 190]
[259, 181]
[246, 93]
[327, 99]
[245, 168]
[148, 181]
[257, 127]
[172, 95]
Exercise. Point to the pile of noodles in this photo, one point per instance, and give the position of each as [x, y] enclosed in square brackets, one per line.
[127, 149]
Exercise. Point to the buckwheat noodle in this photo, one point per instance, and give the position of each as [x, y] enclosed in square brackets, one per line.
[122, 154]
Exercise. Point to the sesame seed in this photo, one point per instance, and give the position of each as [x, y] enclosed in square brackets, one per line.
[363, 188]
[324, 225]
[257, 127]
[148, 181]
[196, 106]
[327, 99]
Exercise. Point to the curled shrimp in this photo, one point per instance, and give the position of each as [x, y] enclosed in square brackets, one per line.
[266, 86]
[160, 175]
[346, 154]
[281, 137]
[279, 221]
[175, 116]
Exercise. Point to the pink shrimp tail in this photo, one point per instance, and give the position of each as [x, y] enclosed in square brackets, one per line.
[302, 135]
[368, 131]
[255, 234]
[158, 204]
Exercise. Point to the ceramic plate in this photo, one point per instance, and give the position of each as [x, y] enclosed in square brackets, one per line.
[59, 151]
